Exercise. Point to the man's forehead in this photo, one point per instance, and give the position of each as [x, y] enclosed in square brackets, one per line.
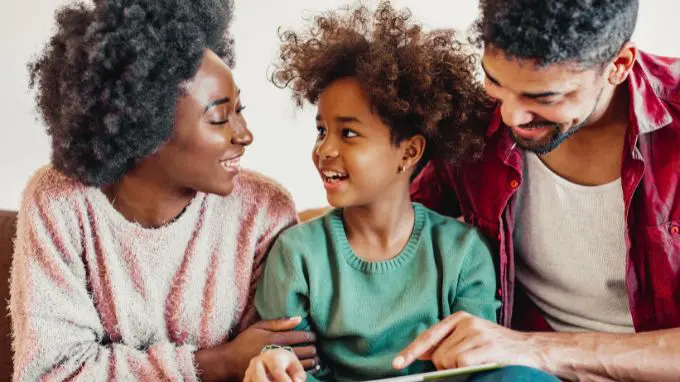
[528, 76]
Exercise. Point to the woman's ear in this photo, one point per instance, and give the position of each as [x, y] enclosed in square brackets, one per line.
[414, 149]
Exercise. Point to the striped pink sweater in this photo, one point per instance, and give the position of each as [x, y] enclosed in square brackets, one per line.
[97, 297]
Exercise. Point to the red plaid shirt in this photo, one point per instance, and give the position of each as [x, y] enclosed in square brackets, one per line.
[483, 194]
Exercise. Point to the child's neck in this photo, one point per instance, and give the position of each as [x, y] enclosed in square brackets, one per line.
[379, 231]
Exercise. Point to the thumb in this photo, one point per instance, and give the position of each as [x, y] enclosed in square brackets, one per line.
[280, 324]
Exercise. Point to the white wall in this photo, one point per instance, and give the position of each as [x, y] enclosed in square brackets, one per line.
[283, 135]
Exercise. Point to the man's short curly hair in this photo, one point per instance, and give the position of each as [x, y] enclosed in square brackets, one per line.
[585, 32]
[417, 82]
[109, 79]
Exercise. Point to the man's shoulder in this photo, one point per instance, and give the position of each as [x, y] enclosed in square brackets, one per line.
[662, 74]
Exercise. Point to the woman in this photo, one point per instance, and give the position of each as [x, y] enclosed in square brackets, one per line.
[138, 248]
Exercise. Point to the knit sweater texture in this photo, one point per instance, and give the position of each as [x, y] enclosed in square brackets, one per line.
[97, 297]
[365, 313]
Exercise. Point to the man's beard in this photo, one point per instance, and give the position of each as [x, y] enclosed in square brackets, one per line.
[556, 138]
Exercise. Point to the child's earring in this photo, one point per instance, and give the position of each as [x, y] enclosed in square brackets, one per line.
[401, 169]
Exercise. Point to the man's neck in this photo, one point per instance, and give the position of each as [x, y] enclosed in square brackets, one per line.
[149, 203]
[381, 230]
[592, 156]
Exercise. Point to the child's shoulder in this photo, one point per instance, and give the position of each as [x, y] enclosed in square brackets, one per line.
[441, 222]
[308, 233]
[445, 229]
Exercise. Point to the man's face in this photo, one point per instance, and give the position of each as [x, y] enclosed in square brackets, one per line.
[543, 106]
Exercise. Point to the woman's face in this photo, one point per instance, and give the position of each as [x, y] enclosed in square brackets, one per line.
[210, 133]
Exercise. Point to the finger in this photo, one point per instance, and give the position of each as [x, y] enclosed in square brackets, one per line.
[305, 352]
[310, 364]
[427, 341]
[448, 355]
[247, 377]
[260, 373]
[278, 325]
[280, 375]
[294, 337]
[458, 336]
[297, 372]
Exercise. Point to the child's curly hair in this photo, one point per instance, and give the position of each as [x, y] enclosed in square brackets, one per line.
[108, 81]
[418, 82]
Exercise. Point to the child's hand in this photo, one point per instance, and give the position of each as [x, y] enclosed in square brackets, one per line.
[276, 365]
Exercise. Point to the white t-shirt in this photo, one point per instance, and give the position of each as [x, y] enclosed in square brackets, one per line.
[571, 250]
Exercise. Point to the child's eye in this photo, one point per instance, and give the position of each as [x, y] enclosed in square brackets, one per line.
[321, 131]
[347, 133]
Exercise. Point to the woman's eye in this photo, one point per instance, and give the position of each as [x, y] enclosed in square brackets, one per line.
[219, 122]
[347, 133]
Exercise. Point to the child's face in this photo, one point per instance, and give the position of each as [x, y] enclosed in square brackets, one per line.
[354, 153]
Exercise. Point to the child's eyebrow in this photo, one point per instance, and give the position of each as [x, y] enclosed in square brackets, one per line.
[347, 119]
[341, 119]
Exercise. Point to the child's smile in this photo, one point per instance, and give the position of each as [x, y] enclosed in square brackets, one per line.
[333, 179]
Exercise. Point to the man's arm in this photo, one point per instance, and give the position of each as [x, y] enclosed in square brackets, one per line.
[650, 356]
[464, 340]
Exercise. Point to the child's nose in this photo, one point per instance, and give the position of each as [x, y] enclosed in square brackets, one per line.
[327, 149]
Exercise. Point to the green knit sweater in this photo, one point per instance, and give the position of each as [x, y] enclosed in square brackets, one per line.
[364, 313]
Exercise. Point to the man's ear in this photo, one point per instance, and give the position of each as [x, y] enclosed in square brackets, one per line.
[414, 149]
[622, 64]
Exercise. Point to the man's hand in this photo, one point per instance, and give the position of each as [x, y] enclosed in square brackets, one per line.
[463, 340]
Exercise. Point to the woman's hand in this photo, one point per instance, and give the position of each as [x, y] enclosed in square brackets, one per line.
[276, 365]
[230, 360]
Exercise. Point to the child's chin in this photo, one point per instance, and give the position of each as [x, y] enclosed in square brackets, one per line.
[338, 200]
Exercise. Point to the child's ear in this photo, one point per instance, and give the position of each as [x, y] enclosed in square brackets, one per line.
[414, 149]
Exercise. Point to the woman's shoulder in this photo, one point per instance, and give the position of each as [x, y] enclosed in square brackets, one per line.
[49, 187]
[258, 189]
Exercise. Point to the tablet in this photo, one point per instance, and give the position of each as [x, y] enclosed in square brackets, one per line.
[450, 375]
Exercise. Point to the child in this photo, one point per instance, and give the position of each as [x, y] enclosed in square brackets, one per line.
[378, 270]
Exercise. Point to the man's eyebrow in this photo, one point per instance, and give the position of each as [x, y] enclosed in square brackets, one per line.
[539, 95]
[530, 95]
[489, 76]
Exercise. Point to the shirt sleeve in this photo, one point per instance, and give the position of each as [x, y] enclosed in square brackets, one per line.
[283, 291]
[433, 188]
[57, 331]
[475, 291]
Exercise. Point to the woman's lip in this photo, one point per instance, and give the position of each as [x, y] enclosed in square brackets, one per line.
[238, 156]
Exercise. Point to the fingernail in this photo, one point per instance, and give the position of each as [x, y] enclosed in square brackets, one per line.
[296, 318]
[398, 362]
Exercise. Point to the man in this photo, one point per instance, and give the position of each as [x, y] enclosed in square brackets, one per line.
[577, 192]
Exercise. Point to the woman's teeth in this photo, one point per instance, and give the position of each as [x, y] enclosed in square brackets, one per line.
[231, 164]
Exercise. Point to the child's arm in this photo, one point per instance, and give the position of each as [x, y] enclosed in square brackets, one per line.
[283, 291]
[476, 288]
